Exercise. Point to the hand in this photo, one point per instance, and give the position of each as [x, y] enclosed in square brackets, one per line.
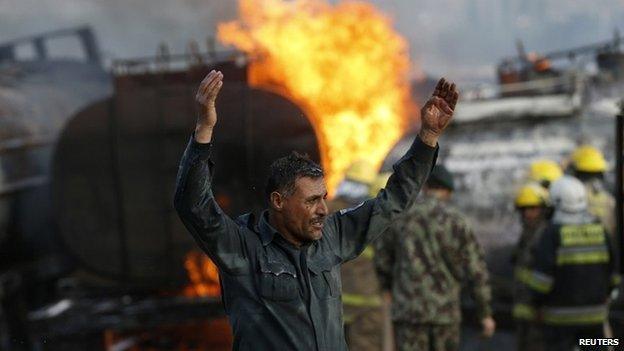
[205, 98]
[489, 327]
[438, 112]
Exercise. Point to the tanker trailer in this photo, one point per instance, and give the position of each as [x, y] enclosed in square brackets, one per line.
[113, 177]
[38, 94]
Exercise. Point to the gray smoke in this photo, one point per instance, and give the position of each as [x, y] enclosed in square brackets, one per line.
[462, 39]
[465, 38]
[125, 28]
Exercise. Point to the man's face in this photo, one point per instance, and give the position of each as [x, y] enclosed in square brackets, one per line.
[531, 215]
[305, 210]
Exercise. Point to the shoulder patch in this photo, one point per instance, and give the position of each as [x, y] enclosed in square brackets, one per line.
[346, 210]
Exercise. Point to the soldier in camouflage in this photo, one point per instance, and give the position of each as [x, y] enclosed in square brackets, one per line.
[422, 263]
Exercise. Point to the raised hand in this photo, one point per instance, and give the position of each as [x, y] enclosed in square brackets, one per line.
[205, 98]
[438, 111]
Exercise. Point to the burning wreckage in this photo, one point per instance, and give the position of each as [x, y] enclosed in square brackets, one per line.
[93, 255]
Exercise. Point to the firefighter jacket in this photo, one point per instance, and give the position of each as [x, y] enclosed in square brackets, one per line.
[571, 274]
[523, 310]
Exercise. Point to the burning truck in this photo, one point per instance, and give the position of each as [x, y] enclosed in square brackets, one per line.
[124, 274]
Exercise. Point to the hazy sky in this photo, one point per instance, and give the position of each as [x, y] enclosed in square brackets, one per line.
[459, 38]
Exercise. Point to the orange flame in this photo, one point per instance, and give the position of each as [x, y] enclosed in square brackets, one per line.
[203, 274]
[342, 64]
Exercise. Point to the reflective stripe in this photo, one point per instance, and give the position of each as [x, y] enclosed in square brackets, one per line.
[616, 279]
[523, 311]
[575, 315]
[369, 252]
[576, 235]
[582, 255]
[535, 280]
[361, 300]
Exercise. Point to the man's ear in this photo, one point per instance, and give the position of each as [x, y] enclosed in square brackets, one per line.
[277, 201]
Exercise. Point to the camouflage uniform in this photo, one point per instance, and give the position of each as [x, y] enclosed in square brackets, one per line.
[528, 334]
[360, 297]
[423, 260]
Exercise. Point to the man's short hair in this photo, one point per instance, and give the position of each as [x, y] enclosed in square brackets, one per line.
[285, 171]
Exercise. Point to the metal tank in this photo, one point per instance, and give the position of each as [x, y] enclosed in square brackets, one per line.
[37, 97]
[38, 94]
[116, 162]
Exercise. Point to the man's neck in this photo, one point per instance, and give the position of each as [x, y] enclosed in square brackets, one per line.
[276, 222]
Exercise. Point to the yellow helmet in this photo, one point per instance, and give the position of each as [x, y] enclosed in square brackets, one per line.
[587, 158]
[379, 182]
[361, 171]
[531, 195]
[545, 170]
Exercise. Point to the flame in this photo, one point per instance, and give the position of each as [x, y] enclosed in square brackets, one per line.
[342, 64]
[203, 274]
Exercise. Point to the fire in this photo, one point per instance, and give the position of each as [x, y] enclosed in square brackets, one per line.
[203, 274]
[342, 64]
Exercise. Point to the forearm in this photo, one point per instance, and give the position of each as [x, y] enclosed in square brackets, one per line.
[203, 133]
[212, 229]
[359, 226]
[483, 299]
[193, 182]
[193, 199]
[410, 174]
[428, 137]
[477, 272]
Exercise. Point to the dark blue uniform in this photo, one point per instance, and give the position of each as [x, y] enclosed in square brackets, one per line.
[278, 296]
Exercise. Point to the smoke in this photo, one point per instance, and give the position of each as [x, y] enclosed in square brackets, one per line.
[462, 39]
[125, 28]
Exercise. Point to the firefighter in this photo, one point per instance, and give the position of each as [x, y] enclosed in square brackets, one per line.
[532, 203]
[545, 172]
[589, 165]
[361, 301]
[572, 270]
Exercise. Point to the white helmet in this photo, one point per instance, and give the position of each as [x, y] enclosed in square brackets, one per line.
[568, 194]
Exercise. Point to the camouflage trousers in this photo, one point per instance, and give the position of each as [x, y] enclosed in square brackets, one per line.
[364, 330]
[426, 337]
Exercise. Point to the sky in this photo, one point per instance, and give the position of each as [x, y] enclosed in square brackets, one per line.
[462, 39]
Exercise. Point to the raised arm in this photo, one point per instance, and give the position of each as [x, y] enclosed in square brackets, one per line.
[355, 228]
[213, 230]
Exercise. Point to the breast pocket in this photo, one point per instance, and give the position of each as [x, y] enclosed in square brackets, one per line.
[278, 281]
[325, 278]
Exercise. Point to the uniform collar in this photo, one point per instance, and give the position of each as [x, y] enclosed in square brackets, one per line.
[267, 232]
